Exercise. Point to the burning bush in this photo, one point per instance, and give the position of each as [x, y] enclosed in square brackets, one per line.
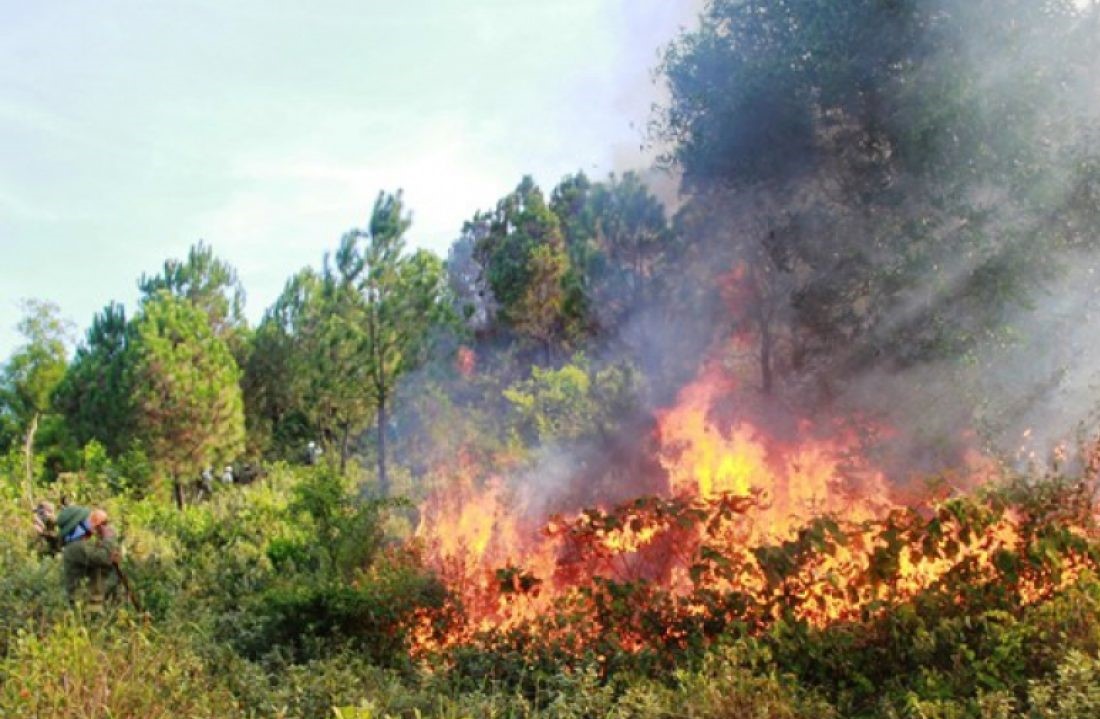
[964, 595]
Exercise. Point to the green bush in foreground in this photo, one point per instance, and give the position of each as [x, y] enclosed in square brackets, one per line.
[112, 670]
[726, 687]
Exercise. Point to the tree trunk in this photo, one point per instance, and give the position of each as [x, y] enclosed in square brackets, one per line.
[763, 317]
[383, 484]
[177, 490]
[28, 452]
[345, 434]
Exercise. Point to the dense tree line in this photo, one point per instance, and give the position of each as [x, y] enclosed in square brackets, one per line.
[187, 384]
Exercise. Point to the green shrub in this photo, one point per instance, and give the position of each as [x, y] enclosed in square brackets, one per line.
[372, 615]
[1072, 693]
[109, 670]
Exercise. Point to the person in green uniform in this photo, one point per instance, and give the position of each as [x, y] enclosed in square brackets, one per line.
[89, 554]
[47, 540]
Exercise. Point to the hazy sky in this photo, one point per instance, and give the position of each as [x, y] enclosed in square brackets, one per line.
[130, 130]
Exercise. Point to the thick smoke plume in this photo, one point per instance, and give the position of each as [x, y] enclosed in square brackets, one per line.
[813, 206]
[904, 251]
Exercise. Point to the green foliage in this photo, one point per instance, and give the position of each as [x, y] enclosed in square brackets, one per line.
[394, 304]
[537, 314]
[1072, 693]
[98, 476]
[310, 363]
[208, 283]
[11, 464]
[286, 402]
[34, 371]
[328, 355]
[618, 240]
[575, 401]
[353, 596]
[29, 379]
[314, 688]
[849, 168]
[555, 404]
[184, 388]
[521, 223]
[94, 395]
[521, 248]
[345, 529]
[29, 583]
[134, 472]
[372, 615]
[727, 685]
[283, 599]
[108, 671]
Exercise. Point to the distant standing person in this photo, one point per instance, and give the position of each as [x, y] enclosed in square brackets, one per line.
[313, 453]
[227, 475]
[206, 483]
[90, 553]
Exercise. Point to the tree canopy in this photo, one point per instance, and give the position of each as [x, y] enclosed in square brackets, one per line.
[395, 302]
[185, 390]
[895, 178]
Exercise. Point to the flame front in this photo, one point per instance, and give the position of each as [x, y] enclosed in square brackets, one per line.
[801, 526]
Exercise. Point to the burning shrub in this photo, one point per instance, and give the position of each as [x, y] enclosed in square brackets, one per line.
[965, 599]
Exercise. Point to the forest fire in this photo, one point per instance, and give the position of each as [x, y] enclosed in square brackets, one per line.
[750, 529]
[792, 481]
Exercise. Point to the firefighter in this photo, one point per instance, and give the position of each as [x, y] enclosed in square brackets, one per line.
[313, 453]
[90, 554]
[205, 485]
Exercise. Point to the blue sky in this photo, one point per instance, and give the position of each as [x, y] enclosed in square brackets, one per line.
[130, 130]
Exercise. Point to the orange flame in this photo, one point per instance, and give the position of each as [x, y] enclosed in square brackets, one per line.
[803, 524]
[793, 481]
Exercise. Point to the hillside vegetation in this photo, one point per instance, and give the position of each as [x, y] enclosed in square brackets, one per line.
[813, 436]
[287, 598]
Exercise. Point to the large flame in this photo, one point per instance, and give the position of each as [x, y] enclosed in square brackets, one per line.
[793, 480]
[802, 524]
